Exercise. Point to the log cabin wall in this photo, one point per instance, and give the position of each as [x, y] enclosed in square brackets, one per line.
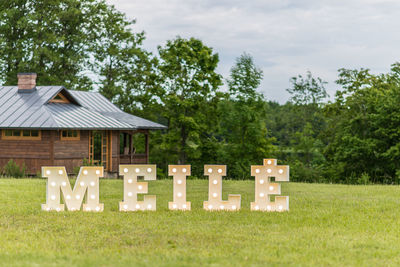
[52, 151]
[70, 153]
[49, 151]
[33, 153]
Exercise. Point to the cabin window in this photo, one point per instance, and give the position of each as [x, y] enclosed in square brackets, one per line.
[21, 134]
[70, 135]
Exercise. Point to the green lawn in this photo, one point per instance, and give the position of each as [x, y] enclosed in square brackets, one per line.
[327, 225]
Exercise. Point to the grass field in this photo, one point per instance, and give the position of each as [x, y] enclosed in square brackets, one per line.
[329, 225]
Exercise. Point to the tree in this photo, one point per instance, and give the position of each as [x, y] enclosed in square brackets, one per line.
[307, 90]
[70, 43]
[47, 37]
[307, 95]
[127, 72]
[245, 78]
[189, 87]
[243, 125]
[363, 133]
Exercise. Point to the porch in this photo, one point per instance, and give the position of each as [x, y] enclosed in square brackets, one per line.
[134, 149]
[111, 148]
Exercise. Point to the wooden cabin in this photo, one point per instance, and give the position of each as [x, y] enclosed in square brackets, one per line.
[53, 126]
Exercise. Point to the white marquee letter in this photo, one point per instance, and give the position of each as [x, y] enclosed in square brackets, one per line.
[179, 172]
[264, 187]
[132, 187]
[87, 180]
[215, 202]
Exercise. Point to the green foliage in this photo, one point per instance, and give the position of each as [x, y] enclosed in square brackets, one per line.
[307, 90]
[127, 72]
[364, 179]
[242, 120]
[70, 43]
[189, 90]
[48, 37]
[301, 172]
[363, 125]
[298, 126]
[245, 136]
[245, 78]
[11, 169]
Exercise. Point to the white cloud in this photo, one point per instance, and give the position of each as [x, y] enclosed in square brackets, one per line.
[285, 37]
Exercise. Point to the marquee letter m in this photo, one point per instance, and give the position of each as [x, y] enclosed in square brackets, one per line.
[87, 181]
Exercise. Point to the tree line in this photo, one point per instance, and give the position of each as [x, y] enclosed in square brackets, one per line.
[90, 45]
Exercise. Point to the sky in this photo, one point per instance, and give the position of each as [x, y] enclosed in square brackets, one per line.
[285, 37]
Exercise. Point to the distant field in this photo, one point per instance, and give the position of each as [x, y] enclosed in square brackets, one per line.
[336, 225]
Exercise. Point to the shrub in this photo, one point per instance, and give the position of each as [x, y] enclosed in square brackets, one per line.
[11, 169]
[299, 172]
[364, 179]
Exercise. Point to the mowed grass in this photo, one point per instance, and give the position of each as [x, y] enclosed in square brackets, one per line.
[327, 225]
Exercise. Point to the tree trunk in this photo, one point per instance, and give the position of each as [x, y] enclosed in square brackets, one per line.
[182, 157]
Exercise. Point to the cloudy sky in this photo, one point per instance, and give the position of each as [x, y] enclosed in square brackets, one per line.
[285, 37]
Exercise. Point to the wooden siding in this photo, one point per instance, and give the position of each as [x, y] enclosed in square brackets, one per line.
[115, 152]
[70, 153]
[72, 149]
[33, 153]
[51, 151]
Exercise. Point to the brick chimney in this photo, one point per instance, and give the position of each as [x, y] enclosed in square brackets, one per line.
[26, 82]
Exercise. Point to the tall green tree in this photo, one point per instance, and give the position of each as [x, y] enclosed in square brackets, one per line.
[307, 98]
[243, 124]
[128, 73]
[71, 43]
[305, 124]
[190, 85]
[245, 78]
[307, 90]
[48, 37]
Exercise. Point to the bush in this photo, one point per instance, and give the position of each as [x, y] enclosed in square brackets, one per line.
[364, 179]
[299, 172]
[11, 169]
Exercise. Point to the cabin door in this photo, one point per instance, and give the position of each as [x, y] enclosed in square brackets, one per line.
[100, 149]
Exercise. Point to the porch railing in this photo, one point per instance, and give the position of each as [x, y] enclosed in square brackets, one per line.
[133, 159]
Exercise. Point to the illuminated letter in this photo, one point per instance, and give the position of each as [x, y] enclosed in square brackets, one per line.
[132, 187]
[215, 202]
[88, 178]
[264, 187]
[179, 172]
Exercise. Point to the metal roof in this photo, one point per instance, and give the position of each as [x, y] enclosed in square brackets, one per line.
[97, 102]
[94, 101]
[89, 110]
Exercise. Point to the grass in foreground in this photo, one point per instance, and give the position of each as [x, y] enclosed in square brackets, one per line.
[327, 225]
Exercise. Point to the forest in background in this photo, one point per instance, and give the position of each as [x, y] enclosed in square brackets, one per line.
[89, 45]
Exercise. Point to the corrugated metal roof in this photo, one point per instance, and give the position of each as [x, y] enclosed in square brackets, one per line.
[140, 123]
[94, 101]
[75, 117]
[32, 110]
[26, 110]
[97, 102]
